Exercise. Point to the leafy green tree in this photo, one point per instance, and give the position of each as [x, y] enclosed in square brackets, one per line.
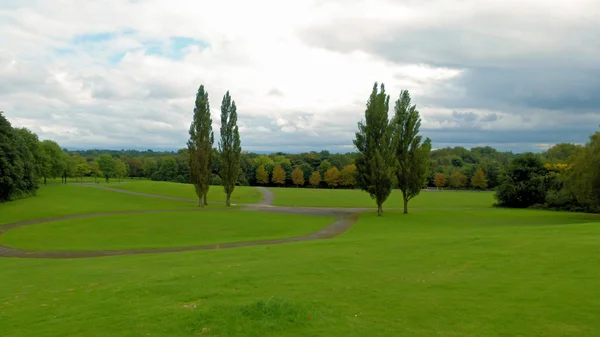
[523, 183]
[168, 169]
[121, 169]
[33, 144]
[52, 160]
[376, 163]
[559, 153]
[229, 146]
[149, 166]
[262, 177]
[107, 165]
[200, 144]
[266, 162]
[324, 167]
[412, 154]
[583, 180]
[11, 165]
[307, 170]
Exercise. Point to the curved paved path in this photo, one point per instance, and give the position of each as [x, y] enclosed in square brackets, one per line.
[346, 218]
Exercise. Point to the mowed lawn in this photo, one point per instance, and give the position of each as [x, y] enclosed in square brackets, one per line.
[241, 194]
[461, 272]
[159, 230]
[312, 197]
[58, 199]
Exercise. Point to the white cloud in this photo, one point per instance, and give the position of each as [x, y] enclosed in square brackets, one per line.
[104, 73]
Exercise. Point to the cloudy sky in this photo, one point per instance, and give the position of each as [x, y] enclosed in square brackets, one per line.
[514, 74]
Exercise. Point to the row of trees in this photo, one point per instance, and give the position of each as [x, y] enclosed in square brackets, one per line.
[333, 177]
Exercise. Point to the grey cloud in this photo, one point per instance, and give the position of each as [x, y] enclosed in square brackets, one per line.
[275, 92]
[531, 63]
[464, 116]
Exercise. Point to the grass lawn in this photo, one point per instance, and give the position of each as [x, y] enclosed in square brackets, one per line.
[311, 197]
[158, 230]
[485, 272]
[241, 194]
[58, 199]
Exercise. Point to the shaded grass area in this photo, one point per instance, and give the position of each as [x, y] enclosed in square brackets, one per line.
[58, 200]
[429, 273]
[312, 197]
[159, 230]
[241, 194]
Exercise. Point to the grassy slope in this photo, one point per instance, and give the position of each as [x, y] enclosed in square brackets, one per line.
[57, 200]
[137, 231]
[357, 198]
[241, 194]
[450, 273]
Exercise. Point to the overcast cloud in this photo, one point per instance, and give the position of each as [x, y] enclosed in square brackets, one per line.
[516, 75]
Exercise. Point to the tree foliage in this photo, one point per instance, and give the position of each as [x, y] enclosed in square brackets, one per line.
[332, 177]
[348, 175]
[262, 177]
[315, 179]
[376, 162]
[412, 154]
[199, 147]
[457, 180]
[229, 146]
[524, 182]
[298, 177]
[439, 180]
[278, 176]
[107, 165]
[479, 181]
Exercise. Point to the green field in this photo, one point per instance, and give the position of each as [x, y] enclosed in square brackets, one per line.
[159, 230]
[468, 271]
[241, 194]
[311, 197]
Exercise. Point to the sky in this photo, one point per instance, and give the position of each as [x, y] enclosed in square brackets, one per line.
[516, 75]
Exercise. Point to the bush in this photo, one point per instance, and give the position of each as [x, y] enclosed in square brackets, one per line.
[215, 180]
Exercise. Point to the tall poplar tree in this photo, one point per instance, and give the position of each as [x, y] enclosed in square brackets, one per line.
[375, 163]
[229, 146]
[200, 146]
[412, 154]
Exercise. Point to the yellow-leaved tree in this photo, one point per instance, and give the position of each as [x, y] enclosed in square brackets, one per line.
[332, 177]
[298, 177]
[315, 179]
[278, 175]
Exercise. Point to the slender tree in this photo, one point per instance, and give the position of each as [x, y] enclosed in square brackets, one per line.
[412, 154]
[229, 146]
[199, 147]
[375, 163]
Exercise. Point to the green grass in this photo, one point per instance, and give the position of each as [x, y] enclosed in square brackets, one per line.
[241, 194]
[311, 197]
[158, 230]
[486, 272]
[58, 199]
